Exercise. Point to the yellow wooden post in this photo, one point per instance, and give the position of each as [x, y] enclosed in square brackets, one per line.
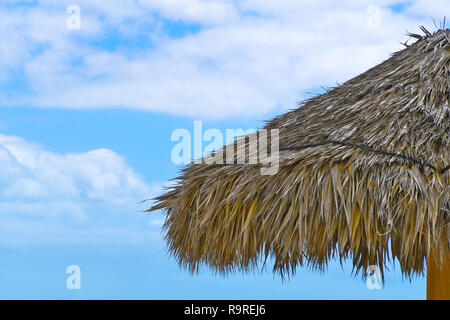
[438, 277]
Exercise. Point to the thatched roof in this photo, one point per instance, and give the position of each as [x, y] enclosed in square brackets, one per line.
[363, 175]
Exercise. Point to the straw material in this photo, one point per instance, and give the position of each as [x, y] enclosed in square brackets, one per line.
[363, 175]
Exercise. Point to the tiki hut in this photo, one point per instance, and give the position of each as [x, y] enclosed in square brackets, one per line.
[363, 175]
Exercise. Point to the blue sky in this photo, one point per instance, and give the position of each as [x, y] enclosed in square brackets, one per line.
[86, 117]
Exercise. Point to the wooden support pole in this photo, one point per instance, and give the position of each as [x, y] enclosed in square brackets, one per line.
[438, 276]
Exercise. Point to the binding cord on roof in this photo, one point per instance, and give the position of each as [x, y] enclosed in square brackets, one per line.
[370, 149]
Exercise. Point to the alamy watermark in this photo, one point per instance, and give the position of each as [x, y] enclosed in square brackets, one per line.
[373, 19]
[374, 279]
[74, 19]
[242, 147]
[73, 281]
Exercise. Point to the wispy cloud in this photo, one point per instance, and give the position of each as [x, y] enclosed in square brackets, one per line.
[246, 58]
[44, 195]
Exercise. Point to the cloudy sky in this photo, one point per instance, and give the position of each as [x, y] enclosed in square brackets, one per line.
[90, 92]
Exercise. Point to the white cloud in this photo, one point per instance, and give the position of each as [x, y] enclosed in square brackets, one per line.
[201, 11]
[249, 57]
[112, 10]
[32, 172]
[76, 192]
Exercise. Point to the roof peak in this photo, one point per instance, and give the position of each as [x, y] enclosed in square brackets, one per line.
[427, 35]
